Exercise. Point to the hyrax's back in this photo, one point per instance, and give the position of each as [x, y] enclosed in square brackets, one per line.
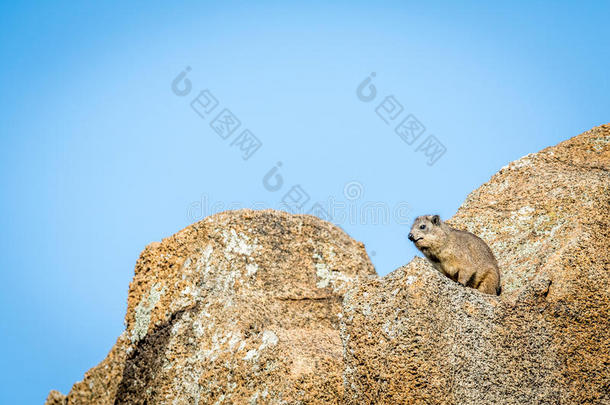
[479, 262]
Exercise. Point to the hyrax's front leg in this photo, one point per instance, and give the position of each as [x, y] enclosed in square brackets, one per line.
[489, 283]
[464, 276]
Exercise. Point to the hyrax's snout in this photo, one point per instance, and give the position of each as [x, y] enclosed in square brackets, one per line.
[411, 237]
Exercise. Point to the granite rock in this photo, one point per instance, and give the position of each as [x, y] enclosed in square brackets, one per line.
[242, 307]
[415, 336]
[265, 307]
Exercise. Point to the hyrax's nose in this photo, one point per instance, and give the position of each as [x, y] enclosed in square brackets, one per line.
[411, 238]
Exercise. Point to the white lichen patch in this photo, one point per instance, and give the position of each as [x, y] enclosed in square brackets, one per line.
[525, 213]
[143, 312]
[185, 267]
[206, 253]
[233, 342]
[198, 328]
[203, 261]
[410, 280]
[197, 351]
[599, 144]
[238, 243]
[218, 340]
[525, 161]
[251, 355]
[269, 339]
[190, 274]
[255, 397]
[325, 275]
[212, 273]
[251, 269]
[388, 329]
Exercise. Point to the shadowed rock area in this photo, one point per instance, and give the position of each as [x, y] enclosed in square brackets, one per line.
[242, 307]
[263, 307]
[415, 336]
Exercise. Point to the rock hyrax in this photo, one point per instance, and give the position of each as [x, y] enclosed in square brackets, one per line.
[460, 255]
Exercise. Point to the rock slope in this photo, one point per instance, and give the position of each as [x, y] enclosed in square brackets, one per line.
[242, 307]
[250, 307]
[415, 336]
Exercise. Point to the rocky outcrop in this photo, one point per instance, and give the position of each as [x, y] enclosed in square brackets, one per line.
[242, 307]
[266, 307]
[415, 336]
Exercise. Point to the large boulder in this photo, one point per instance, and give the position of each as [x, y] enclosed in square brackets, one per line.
[415, 336]
[242, 307]
[267, 307]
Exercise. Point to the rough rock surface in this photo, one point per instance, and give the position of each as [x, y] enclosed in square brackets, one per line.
[242, 307]
[245, 307]
[415, 336]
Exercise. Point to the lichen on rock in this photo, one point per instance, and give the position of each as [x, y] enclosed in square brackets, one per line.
[264, 307]
[233, 309]
[143, 310]
[417, 337]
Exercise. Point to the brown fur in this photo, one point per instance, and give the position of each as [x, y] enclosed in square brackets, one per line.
[460, 255]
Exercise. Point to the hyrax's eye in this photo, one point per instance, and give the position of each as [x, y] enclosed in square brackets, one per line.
[422, 227]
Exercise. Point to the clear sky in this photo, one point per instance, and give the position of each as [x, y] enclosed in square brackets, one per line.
[101, 154]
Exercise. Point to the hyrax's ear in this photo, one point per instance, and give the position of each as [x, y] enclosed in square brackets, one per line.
[436, 220]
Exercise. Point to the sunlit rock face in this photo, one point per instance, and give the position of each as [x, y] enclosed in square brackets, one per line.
[263, 307]
[415, 336]
[242, 307]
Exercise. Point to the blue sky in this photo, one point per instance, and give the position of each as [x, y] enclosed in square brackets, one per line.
[99, 156]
